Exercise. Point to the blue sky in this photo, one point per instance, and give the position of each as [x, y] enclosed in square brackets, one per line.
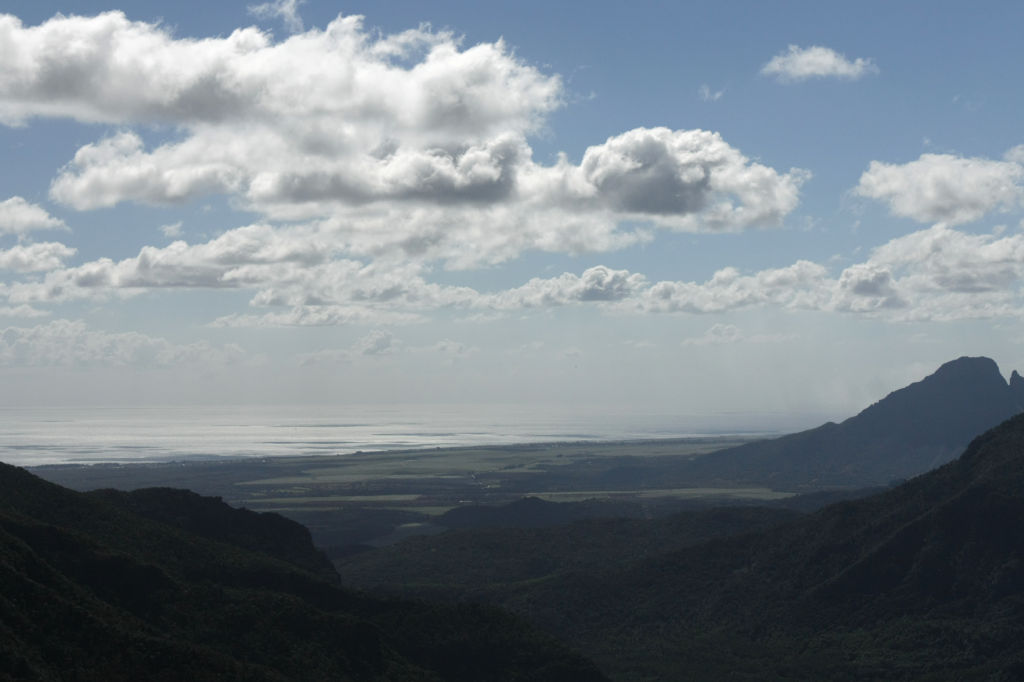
[696, 207]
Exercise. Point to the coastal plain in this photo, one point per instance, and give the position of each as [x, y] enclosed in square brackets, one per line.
[379, 492]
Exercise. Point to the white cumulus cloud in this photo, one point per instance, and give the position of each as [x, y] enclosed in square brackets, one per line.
[938, 273]
[18, 216]
[35, 257]
[599, 284]
[801, 63]
[407, 143]
[944, 187]
[285, 10]
[689, 179]
[801, 285]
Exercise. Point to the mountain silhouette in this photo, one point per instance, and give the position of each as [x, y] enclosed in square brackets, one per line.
[909, 432]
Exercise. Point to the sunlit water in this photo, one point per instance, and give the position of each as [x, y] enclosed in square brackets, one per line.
[33, 436]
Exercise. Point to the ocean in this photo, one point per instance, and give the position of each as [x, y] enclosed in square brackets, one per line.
[64, 435]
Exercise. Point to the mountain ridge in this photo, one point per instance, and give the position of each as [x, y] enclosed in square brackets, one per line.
[93, 590]
[911, 430]
[922, 581]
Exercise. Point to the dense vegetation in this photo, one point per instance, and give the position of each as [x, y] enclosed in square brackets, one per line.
[167, 585]
[924, 581]
[486, 562]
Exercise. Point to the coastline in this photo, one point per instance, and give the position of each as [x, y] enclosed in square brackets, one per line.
[36, 436]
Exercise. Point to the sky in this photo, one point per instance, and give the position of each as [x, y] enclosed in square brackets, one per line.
[701, 207]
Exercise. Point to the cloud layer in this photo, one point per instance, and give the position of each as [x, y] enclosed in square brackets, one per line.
[934, 273]
[68, 343]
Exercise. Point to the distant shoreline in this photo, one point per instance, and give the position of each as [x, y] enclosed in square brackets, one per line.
[90, 436]
[228, 459]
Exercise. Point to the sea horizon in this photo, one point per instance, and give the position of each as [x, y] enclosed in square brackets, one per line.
[37, 436]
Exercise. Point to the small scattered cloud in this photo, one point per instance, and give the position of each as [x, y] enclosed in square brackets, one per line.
[1015, 154]
[377, 342]
[18, 216]
[709, 95]
[802, 63]
[172, 230]
[971, 103]
[382, 342]
[450, 350]
[720, 334]
[39, 257]
[453, 349]
[946, 188]
[596, 284]
[285, 10]
[717, 334]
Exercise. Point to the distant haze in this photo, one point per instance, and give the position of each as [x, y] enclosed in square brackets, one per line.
[30, 437]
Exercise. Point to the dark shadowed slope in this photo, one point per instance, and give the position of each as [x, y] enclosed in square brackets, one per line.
[924, 581]
[533, 512]
[910, 431]
[211, 518]
[116, 587]
[486, 561]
